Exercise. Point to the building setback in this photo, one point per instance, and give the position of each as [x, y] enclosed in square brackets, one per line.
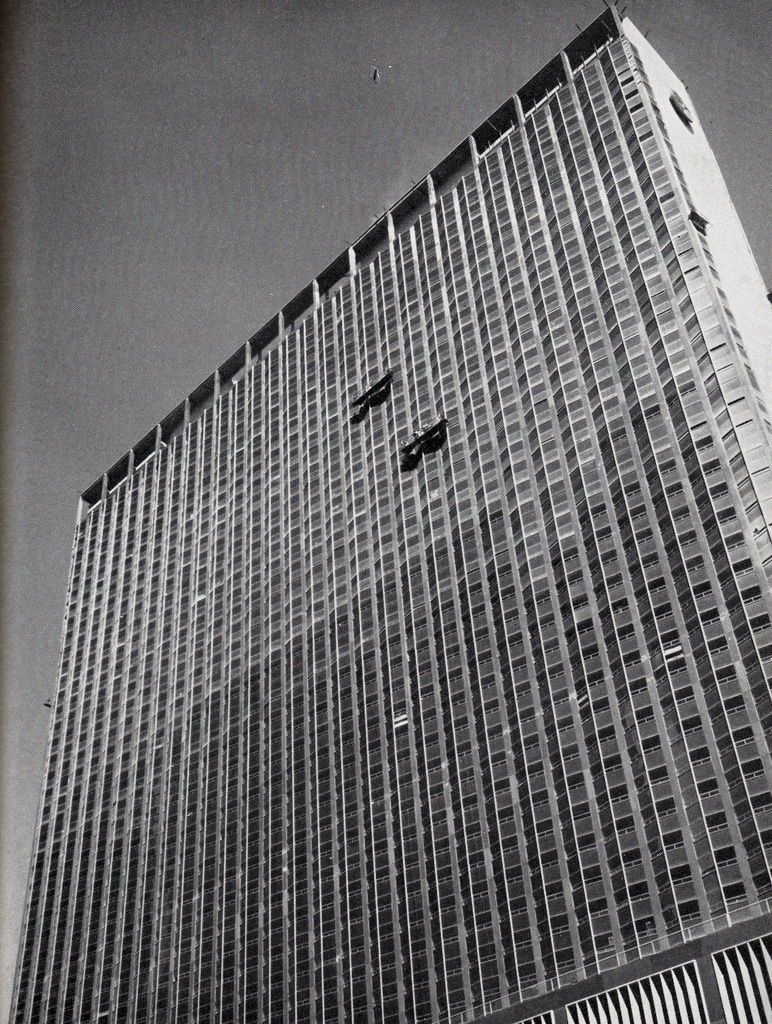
[417, 668]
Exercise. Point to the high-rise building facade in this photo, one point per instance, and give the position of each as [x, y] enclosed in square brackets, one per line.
[417, 667]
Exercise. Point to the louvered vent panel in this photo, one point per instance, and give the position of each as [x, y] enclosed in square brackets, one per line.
[744, 976]
[673, 997]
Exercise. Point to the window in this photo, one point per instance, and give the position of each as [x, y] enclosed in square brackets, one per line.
[699, 222]
[682, 110]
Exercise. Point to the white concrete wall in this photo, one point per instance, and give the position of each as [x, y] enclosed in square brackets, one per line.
[738, 270]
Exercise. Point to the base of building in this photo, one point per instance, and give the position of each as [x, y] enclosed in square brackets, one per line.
[721, 978]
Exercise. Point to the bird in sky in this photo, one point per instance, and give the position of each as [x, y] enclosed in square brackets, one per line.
[376, 75]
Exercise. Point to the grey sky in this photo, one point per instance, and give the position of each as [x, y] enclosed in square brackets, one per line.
[179, 172]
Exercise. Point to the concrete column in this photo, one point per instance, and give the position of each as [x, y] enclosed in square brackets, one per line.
[707, 975]
[519, 109]
[432, 193]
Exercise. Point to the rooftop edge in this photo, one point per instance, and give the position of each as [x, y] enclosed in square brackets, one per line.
[604, 29]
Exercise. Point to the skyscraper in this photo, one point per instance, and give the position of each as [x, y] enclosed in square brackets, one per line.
[417, 667]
